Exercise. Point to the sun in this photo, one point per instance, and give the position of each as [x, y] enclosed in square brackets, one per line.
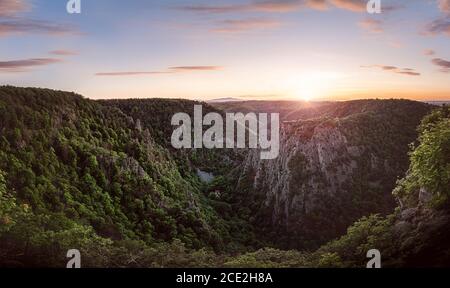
[308, 93]
[308, 90]
[311, 86]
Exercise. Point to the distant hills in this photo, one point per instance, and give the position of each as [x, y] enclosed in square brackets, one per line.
[438, 103]
[224, 100]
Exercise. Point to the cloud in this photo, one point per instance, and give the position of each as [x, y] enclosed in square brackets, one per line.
[243, 25]
[388, 68]
[131, 73]
[24, 65]
[317, 4]
[442, 24]
[429, 52]
[214, 8]
[443, 64]
[63, 52]
[444, 5]
[12, 7]
[270, 6]
[438, 26]
[395, 69]
[19, 26]
[410, 73]
[196, 68]
[352, 5]
[12, 23]
[395, 44]
[278, 6]
[372, 25]
[170, 70]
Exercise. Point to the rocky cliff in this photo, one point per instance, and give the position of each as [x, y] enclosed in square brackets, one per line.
[330, 172]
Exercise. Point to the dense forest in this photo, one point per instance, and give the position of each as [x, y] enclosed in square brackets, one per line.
[101, 177]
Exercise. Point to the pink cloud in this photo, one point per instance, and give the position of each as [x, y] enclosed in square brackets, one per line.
[438, 26]
[429, 52]
[20, 26]
[196, 68]
[443, 64]
[444, 5]
[352, 5]
[24, 65]
[12, 7]
[63, 52]
[131, 73]
[395, 69]
[372, 25]
[278, 6]
[243, 25]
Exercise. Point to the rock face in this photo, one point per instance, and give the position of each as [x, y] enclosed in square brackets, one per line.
[422, 236]
[305, 167]
[330, 172]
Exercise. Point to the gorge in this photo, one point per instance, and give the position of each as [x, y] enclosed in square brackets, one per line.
[103, 176]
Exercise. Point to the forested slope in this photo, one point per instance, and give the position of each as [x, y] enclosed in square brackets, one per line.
[92, 165]
[102, 177]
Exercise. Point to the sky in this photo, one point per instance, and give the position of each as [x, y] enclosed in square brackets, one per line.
[248, 49]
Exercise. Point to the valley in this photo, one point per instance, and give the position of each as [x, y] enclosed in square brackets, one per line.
[103, 176]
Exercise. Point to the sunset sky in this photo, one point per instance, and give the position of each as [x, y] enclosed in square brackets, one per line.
[285, 49]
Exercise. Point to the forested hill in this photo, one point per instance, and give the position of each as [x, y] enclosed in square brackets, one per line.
[80, 161]
[101, 176]
[298, 110]
[156, 114]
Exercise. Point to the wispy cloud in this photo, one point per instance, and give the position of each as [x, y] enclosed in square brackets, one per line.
[170, 70]
[395, 69]
[26, 64]
[396, 44]
[243, 25]
[20, 26]
[429, 52]
[214, 8]
[372, 25]
[11, 22]
[317, 4]
[277, 6]
[352, 5]
[12, 7]
[63, 52]
[196, 68]
[131, 73]
[442, 24]
[444, 5]
[438, 26]
[410, 73]
[255, 6]
[443, 64]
